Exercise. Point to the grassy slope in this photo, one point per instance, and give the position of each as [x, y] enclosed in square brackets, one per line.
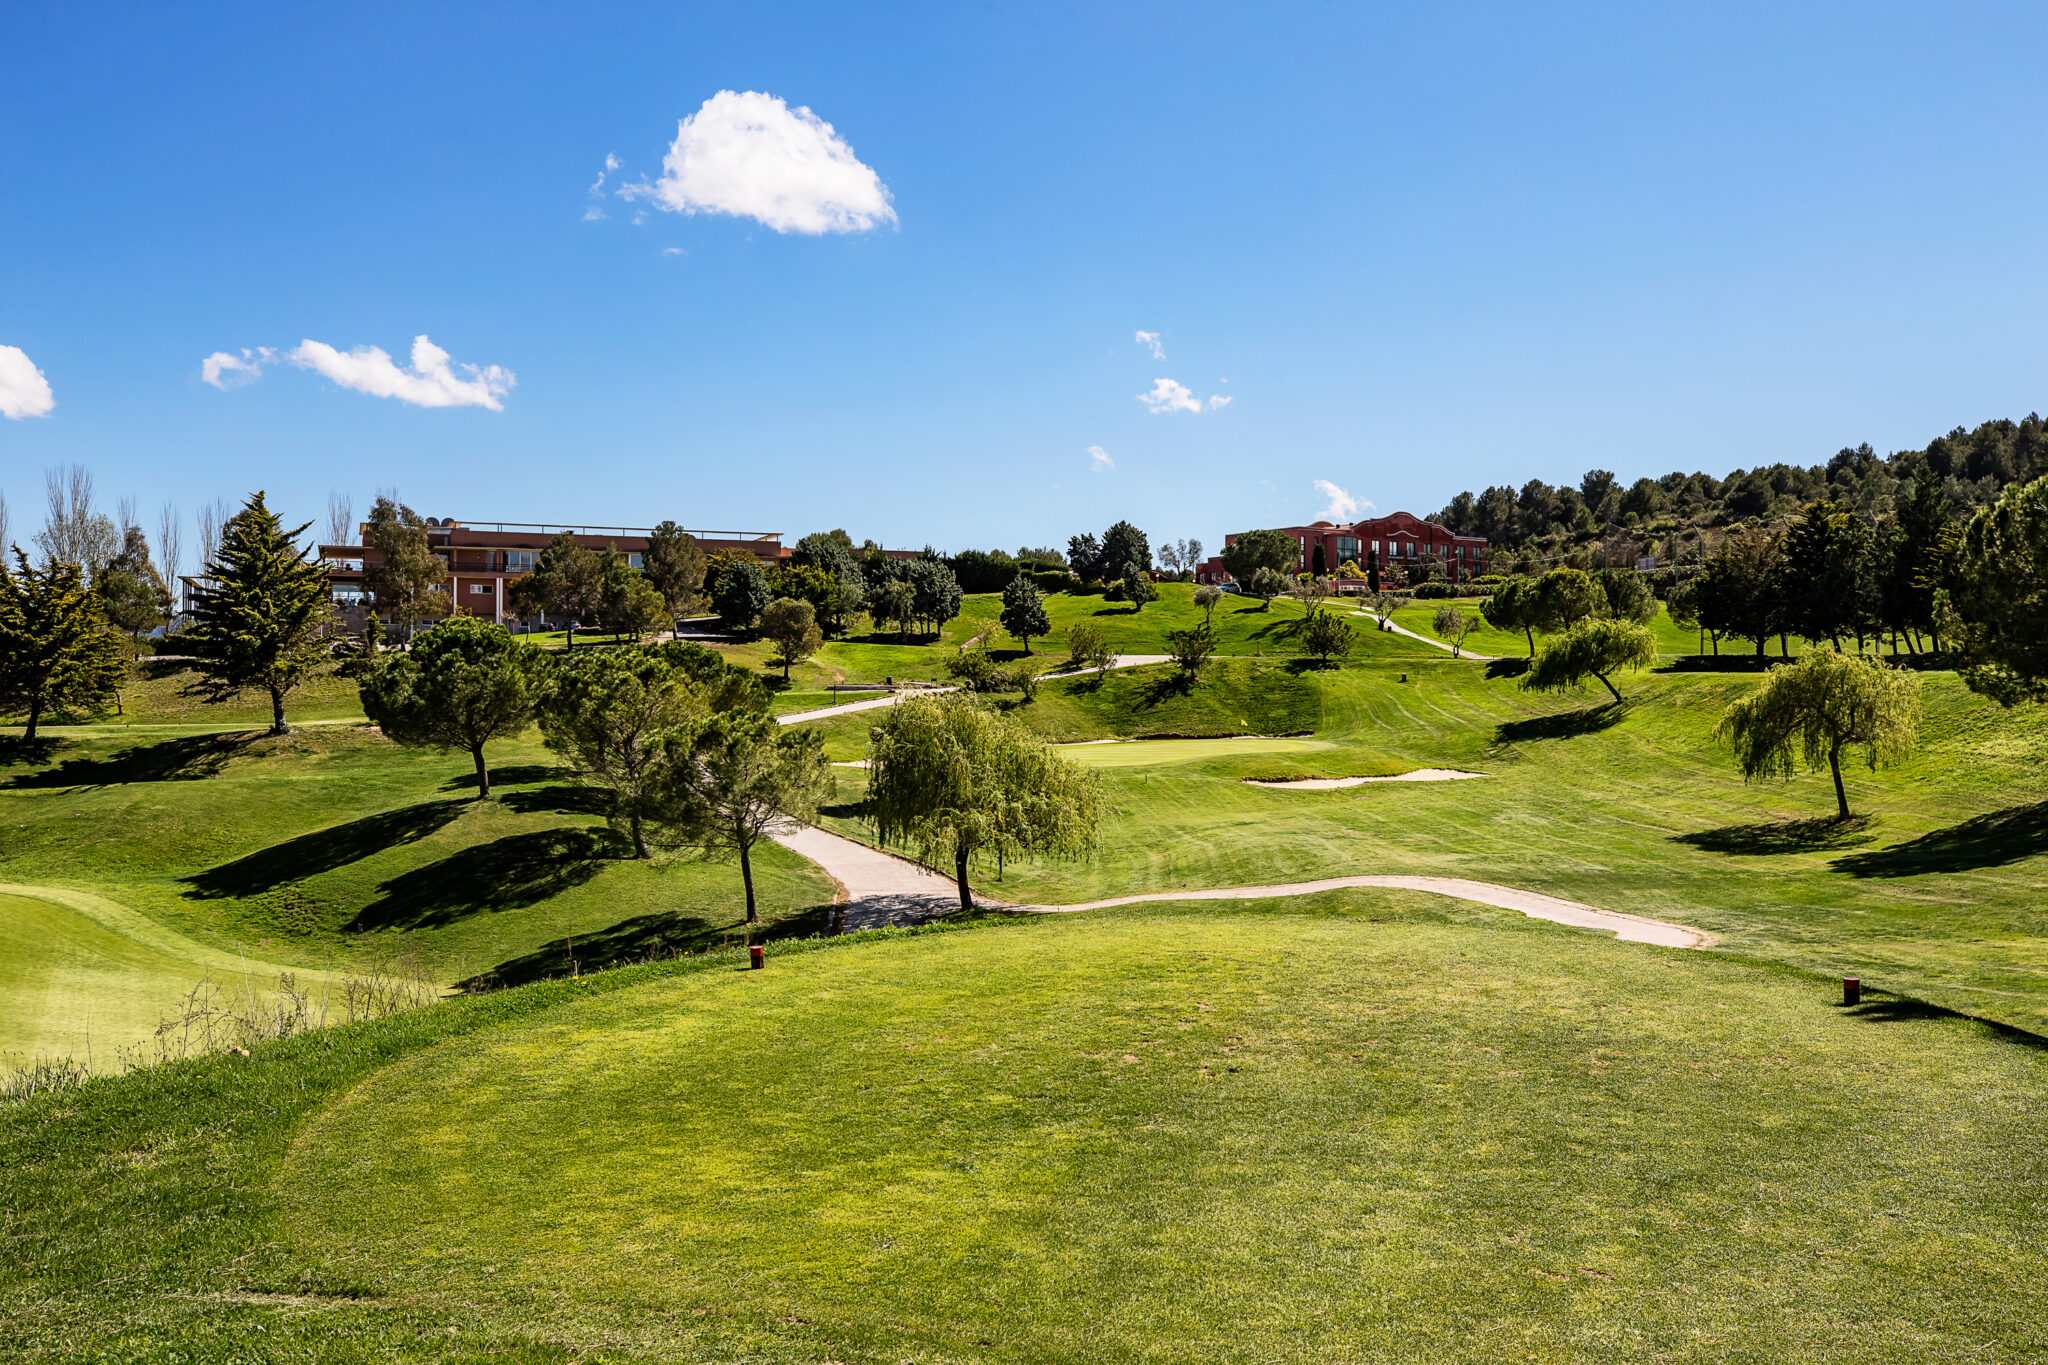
[336, 847]
[1673, 640]
[1632, 808]
[1365, 1125]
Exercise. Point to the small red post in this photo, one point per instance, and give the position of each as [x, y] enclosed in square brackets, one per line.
[1852, 990]
[756, 953]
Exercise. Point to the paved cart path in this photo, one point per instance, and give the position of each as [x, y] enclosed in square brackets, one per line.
[879, 889]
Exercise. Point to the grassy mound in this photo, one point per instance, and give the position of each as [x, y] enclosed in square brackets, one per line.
[1348, 1128]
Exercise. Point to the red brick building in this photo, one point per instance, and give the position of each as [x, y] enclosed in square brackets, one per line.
[1400, 539]
[484, 557]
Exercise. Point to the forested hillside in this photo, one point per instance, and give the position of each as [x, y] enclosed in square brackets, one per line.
[1683, 516]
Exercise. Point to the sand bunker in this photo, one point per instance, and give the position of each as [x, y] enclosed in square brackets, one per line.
[1324, 784]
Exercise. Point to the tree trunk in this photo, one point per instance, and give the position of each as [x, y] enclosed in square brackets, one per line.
[483, 774]
[960, 875]
[35, 713]
[1529, 631]
[747, 877]
[1784, 648]
[639, 837]
[1608, 685]
[277, 722]
[1835, 767]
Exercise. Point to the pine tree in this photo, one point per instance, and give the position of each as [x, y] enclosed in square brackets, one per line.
[261, 613]
[56, 653]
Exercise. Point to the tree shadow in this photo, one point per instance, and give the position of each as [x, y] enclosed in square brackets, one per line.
[323, 850]
[1167, 687]
[643, 938]
[1506, 668]
[1903, 1009]
[559, 800]
[1566, 725]
[506, 874]
[845, 810]
[1993, 840]
[518, 775]
[185, 759]
[1781, 836]
[16, 750]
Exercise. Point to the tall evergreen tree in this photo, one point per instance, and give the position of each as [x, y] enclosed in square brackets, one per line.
[130, 589]
[56, 653]
[1024, 612]
[675, 566]
[258, 619]
[1827, 558]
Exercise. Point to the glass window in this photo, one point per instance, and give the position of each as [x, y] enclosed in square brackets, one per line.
[633, 560]
[520, 561]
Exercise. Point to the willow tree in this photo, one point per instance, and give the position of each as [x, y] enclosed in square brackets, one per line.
[1598, 648]
[953, 781]
[1812, 711]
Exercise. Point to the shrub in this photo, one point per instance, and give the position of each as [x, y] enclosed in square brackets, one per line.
[1434, 589]
[1052, 580]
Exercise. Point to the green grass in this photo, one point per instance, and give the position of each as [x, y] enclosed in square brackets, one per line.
[1933, 890]
[332, 847]
[1673, 640]
[82, 977]
[1363, 1126]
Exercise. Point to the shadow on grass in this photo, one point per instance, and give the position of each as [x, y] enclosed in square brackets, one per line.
[518, 775]
[643, 938]
[1566, 725]
[506, 874]
[1993, 840]
[1507, 668]
[171, 760]
[323, 850]
[1167, 687]
[16, 750]
[845, 810]
[1781, 836]
[1902, 1009]
[558, 800]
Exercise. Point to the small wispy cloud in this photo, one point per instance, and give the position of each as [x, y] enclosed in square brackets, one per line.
[673, 251]
[1099, 461]
[1340, 505]
[431, 382]
[24, 389]
[593, 213]
[1220, 400]
[1167, 396]
[1151, 340]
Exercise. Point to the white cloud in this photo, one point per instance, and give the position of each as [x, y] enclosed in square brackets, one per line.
[1099, 461]
[24, 390]
[751, 156]
[224, 370]
[1167, 396]
[593, 214]
[1219, 400]
[611, 163]
[1341, 506]
[673, 251]
[430, 383]
[1151, 339]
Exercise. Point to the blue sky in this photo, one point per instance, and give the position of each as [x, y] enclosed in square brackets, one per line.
[1417, 251]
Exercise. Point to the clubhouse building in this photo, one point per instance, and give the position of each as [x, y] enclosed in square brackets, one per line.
[482, 557]
[1399, 539]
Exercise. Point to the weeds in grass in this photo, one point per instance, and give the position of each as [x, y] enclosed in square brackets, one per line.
[218, 1017]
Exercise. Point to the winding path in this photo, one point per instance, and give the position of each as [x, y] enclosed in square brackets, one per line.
[1456, 653]
[873, 703]
[878, 889]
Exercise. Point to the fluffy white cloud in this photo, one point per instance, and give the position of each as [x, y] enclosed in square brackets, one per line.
[226, 371]
[1340, 505]
[1167, 396]
[1151, 340]
[1219, 400]
[24, 391]
[1099, 461]
[431, 382]
[750, 155]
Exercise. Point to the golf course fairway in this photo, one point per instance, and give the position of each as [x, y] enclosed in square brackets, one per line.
[1354, 1126]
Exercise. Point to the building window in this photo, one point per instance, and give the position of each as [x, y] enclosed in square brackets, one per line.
[479, 590]
[633, 560]
[520, 561]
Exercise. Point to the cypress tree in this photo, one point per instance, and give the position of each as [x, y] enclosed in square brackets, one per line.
[56, 653]
[259, 619]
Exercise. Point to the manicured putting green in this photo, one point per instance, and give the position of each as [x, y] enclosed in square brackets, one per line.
[1138, 753]
[1342, 1129]
[79, 973]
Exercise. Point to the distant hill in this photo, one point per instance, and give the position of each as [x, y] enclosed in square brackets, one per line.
[1681, 516]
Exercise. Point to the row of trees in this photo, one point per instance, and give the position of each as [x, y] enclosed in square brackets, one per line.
[680, 743]
[1971, 467]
